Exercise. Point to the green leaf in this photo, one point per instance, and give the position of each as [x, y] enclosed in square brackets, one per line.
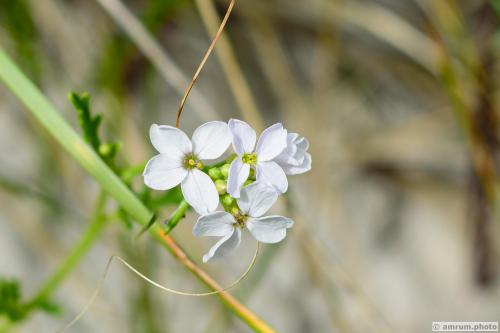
[147, 226]
[89, 123]
[178, 215]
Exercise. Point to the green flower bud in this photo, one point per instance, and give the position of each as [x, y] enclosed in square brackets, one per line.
[235, 210]
[105, 149]
[225, 170]
[247, 182]
[220, 185]
[227, 200]
[215, 173]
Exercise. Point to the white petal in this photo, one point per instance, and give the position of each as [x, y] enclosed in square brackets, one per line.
[269, 229]
[170, 140]
[299, 157]
[272, 141]
[257, 198]
[291, 147]
[224, 246]
[288, 156]
[271, 173]
[292, 137]
[238, 174]
[163, 172]
[200, 192]
[243, 136]
[302, 143]
[211, 140]
[214, 224]
[298, 169]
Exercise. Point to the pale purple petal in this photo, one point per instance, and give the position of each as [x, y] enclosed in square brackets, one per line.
[163, 172]
[305, 166]
[287, 156]
[224, 246]
[211, 140]
[243, 136]
[170, 140]
[214, 224]
[200, 192]
[257, 198]
[302, 143]
[238, 174]
[269, 229]
[271, 173]
[272, 141]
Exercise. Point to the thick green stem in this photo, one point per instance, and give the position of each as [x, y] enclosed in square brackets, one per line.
[92, 232]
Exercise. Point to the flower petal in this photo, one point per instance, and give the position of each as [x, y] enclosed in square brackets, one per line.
[271, 173]
[200, 192]
[211, 140]
[170, 140]
[238, 174]
[271, 142]
[225, 245]
[302, 143]
[214, 224]
[298, 169]
[269, 229]
[163, 172]
[243, 136]
[257, 198]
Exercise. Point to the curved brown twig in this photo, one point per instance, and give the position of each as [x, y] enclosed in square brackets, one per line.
[203, 61]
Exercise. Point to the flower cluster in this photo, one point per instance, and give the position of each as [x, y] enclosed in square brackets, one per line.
[247, 185]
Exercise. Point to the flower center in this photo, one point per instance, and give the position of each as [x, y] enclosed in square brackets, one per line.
[191, 162]
[249, 159]
[241, 220]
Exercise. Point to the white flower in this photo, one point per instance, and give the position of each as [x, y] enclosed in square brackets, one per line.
[295, 159]
[255, 201]
[272, 141]
[180, 162]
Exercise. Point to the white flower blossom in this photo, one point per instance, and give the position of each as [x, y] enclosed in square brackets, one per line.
[295, 159]
[271, 143]
[255, 201]
[181, 162]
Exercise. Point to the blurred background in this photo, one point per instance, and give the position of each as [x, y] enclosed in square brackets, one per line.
[397, 223]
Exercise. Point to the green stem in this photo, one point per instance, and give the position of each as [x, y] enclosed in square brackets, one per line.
[179, 213]
[92, 232]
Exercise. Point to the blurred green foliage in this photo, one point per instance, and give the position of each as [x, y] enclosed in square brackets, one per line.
[17, 19]
[14, 308]
[121, 59]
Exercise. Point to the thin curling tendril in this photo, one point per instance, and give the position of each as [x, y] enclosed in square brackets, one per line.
[203, 61]
[102, 279]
